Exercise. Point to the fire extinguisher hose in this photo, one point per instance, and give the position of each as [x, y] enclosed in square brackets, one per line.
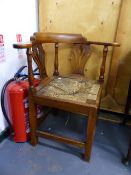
[3, 103]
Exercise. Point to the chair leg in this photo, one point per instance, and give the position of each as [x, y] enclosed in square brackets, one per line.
[127, 159]
[33, 121]
[91, 127]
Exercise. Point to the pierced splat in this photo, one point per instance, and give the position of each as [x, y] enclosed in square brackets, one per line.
[79, 56]
[38, 55]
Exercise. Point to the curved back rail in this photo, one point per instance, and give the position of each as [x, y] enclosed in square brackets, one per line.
[36, 52]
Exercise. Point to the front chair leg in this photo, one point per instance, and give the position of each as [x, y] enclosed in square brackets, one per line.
[91, 127]
[33, 121]
[127, 160]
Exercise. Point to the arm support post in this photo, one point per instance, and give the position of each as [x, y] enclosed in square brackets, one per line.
[102, 68]
[56, 73]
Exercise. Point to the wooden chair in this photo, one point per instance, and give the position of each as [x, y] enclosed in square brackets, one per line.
[74, 93]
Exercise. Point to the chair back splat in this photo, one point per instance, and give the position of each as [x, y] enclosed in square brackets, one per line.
[73, 93]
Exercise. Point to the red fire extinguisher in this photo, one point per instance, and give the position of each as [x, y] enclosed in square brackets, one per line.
[17, 98]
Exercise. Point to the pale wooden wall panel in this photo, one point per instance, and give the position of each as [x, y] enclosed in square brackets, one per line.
[120, 72]
[124, 69]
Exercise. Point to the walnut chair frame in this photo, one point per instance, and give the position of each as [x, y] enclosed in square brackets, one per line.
[36, 52]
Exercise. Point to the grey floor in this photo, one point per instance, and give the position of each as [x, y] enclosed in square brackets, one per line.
[48, 158]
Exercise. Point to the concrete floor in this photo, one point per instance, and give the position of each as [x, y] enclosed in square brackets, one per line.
[50, 158]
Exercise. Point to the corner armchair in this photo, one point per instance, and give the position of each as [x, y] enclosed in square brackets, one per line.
[74, 93]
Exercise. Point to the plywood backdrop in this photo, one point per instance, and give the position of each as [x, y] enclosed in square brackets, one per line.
[120, 72]
[99, 21]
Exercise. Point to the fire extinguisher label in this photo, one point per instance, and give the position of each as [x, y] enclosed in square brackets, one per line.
[27, 125]
[1, 39]
[39, 111]
[2, 49]
[19, 40]
[26, 106]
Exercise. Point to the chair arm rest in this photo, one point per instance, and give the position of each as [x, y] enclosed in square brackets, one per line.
[22, 45]
[103, 43]
[105, 50]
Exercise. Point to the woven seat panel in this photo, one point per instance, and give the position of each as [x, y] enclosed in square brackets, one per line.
[69, 88]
